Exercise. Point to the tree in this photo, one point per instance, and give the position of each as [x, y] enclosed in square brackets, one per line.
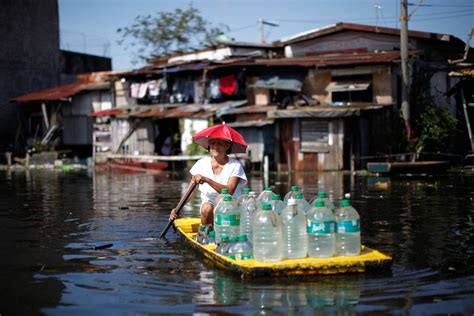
[168, 32]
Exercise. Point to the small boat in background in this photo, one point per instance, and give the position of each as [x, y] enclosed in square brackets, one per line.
[369, 259]
[408, 167]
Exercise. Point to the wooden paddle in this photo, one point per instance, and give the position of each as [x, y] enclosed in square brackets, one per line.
[181, 203]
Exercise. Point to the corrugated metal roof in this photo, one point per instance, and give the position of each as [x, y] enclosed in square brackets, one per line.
[338, 27]
[108, 112]
[320, 60]
[322, 111]
[254, 123]
[252, 109]
[62, 92]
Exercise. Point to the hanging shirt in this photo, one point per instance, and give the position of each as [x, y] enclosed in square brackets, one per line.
[228, 85]
[233, 168]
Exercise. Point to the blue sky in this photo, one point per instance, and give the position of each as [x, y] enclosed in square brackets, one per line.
[91, 25]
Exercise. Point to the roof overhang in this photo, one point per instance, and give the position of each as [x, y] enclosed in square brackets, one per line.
[323, 112]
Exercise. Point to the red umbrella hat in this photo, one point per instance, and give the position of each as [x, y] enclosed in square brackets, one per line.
[239, 145]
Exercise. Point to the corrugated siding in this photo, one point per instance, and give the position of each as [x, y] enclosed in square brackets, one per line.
[314, 135]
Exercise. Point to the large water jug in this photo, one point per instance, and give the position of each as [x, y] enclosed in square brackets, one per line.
[222, 245]
[220, 197]
[347, 230]
[321, 231]
[266, 196]
[302, 203]
[267, 235]
[277, 204]
[322, 196]
[291, 194]
[295, 238]
[243, 196]
[241, 249]
[226, 219]
[247, 211]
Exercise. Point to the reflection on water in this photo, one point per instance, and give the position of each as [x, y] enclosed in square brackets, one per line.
[86, 243]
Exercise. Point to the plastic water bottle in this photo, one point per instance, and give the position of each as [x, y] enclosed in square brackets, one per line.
[201, 234]
[243, 196]
[267, 235]
[247, 211]
[226, 219]
[220, 197]
[322, 196]
[302, 202]
[277, 204]
[266, 196]
[241, 249]
[222, 245]
[321, 230]
[347, 230]
[211, 238]
[291, 194]
[295, 238]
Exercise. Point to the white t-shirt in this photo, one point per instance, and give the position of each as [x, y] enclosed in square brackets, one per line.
[233, 168]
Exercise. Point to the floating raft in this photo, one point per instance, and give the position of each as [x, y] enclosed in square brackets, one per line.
[369, 259]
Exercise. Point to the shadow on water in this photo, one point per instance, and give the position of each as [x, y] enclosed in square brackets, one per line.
[87, 243]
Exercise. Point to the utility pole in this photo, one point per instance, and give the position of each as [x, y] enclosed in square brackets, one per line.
[405, 75]
[261, 23]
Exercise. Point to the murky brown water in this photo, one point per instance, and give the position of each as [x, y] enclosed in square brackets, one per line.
[81, 243]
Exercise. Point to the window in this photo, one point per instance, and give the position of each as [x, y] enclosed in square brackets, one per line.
[314, 135]
[357, 88]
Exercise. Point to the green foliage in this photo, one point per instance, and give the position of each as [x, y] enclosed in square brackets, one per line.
[432, 123]
[39, 147]
[436, 124]
[169, 31]
[195, 149]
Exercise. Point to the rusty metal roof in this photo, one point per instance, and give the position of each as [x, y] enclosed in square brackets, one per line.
[62, 93]
[345, 59]
[108, 112]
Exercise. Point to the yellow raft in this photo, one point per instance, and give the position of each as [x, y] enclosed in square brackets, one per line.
[368, 260]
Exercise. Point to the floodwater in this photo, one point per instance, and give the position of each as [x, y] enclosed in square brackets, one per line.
[84, 243]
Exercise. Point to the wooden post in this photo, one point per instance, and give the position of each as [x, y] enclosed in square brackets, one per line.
[405, 75]
[466, 116]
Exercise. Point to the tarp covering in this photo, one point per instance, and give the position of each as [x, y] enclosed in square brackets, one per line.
[288, 82]
[344, 86]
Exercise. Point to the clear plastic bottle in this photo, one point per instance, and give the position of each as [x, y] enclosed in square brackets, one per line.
[222, 245]
[241, 249]
[291, 194]
[302, 202]
[265, 196]
[347, 230]
[226, 219]
[201, 234]
[267, 235]
[295, 238]
[321, 231]
[220, 197]
[247, 212]
[232, 241]
[211, 238]
[277, 204]
[322, 196]
[243, 196]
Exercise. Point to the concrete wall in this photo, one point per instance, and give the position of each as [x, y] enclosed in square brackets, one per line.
[29, 55]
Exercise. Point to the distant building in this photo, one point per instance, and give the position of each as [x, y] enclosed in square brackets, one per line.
[31, 59]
